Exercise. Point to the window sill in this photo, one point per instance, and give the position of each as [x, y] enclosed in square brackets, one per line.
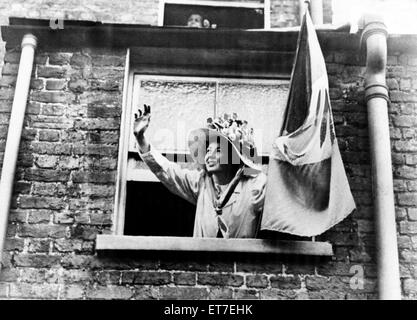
[147, 243]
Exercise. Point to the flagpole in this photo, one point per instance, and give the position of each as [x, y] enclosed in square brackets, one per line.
[374, 38]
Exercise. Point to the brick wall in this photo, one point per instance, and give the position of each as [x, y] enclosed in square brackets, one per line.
[122, 11]
[65, 184]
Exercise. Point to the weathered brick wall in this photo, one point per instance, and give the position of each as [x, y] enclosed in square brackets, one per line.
[123, 11]
[65, 184]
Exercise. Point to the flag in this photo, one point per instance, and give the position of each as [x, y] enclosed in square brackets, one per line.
[307, 190]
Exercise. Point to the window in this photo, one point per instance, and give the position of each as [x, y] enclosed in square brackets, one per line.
[180, 104]
[240, 14]
[181, 101]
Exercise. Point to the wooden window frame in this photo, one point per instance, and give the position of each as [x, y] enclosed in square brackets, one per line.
[120, 242]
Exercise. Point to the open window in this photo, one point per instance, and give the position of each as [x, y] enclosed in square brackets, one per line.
[231, 14]
[180, 104]
[147, 216]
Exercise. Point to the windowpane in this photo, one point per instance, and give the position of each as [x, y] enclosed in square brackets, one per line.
[262, 105]
[177, 107]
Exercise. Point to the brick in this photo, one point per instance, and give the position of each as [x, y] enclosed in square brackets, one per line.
[36, 84]
[107, 277]
[102, 112]
[43, 231]
[185, 278]
[49, 122]
[316, 283]
[53, 110]
[94, 177]
[63, 218]
[101, 219]
[36, 260]
[12, 57]
[408, 256]
[39, 216]
[47, 175]
[285, 283]
[53, 189]
[245, 294]
[183, 293]
[78, 85]
[55, 84]
[407, 146]
[60, 58]
[217, 293]
[50, 96]
[400, 96]
[38, 291]
[107, 85]
[51, 72]
[33, 108]
[146, 293]
[72, 292]
[82, 205]
[97, 124]
[22, 187]
[410, 286]
[80, 60]
[76, 276]
[14, 244]
[9, 275]
[103, 137]
[100, 98]
[39, 245]
[51, 148]
[41, 203]
[412, 214]
[35, 275]
[6, 94]
[256, 281]
[365, 226]
[404, 121]
[44, 162]
[220, 279]
[108, 60]
[97, 191]
[10, 69]
[407, 227]
[84, 232]
[146, 277]
[49, 135]
[95, 150]
[40, 58]
[110, 292]
[407, 199]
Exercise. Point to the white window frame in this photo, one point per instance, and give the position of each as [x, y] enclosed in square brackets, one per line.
[266, 6]
[126, 172]
[118, 241]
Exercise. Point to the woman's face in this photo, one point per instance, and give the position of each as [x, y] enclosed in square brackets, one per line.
[216, 158]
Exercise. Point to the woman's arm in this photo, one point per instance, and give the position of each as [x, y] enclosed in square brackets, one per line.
[183, 182]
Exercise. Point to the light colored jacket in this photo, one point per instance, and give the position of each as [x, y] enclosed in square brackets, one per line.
[242, 213]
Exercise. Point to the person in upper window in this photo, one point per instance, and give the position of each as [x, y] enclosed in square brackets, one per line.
[228, 190]
[195, 20]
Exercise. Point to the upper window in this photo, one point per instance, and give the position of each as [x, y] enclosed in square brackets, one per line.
[242, 14]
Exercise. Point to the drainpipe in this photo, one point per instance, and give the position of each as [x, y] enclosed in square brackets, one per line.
[374, 39]
[29, 43]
